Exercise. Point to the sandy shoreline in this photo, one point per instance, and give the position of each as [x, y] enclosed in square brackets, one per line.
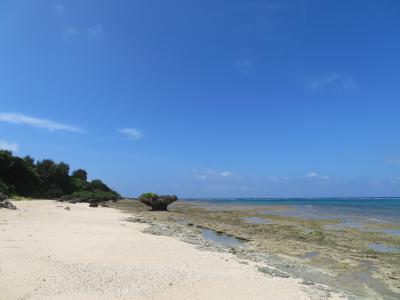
[47, 252]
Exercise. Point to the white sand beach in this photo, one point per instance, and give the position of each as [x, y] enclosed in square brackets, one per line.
[47, 252]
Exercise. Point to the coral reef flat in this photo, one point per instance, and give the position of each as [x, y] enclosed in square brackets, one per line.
[318, 250]
[49, 252]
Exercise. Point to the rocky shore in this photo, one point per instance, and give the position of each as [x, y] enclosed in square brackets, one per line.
[338, 261]
[83, 253]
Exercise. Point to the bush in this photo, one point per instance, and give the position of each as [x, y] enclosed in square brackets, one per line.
[80, 174]
[97, 196]
[156, 202]
[147, 196]
[3, 188]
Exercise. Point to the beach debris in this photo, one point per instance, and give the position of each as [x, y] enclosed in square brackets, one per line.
[6, 203]
[156, 202]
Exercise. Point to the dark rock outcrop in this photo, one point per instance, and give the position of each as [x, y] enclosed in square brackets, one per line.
[5, 203]
[93, 204]
[158, 203]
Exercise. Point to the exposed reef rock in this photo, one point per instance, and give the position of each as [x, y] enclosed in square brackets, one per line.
[6, 203]
[156, 202]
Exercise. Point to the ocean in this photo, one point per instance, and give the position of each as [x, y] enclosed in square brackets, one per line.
[351, 211]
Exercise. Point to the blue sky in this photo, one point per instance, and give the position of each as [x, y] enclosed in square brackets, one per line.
[207, 98]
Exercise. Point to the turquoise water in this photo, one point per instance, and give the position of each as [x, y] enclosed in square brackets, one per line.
[351, 211]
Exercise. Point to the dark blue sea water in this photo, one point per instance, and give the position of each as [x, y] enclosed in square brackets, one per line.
[350, 210]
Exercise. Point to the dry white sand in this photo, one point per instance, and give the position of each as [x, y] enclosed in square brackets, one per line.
[47, 252]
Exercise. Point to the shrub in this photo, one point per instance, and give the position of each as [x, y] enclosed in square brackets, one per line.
[147, 196]
[97, 196]
[3, 188]
[156, 202]
[97, 184]
[80, 174]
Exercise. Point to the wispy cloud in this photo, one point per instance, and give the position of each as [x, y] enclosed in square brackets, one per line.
[316, 175]
[131, 133]
[36, 122]
[245, 66]
[59, 7]
[333, 80]
[4, 145]
[393, 162]
[312, 175]
[225, 174]
[211, 174]
[71, 33]
[95, 32]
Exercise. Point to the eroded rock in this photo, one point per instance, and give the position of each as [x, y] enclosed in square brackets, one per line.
[7, 204]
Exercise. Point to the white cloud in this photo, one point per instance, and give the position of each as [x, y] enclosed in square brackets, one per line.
[225, 173]
[4, 145]
[131, 133]
[199, 176]
[211, 174]
[316, 175]
[334, 79]
[312, 175]
[95, 32]
[35, 122]
[59, 7]
[245, 66]
[71, 33]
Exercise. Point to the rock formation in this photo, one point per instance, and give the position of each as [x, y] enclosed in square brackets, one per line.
[6, 203]
[158, 203]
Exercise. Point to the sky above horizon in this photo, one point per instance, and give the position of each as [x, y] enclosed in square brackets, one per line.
[235, 98]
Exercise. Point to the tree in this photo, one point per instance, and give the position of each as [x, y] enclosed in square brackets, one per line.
[46, 170]
[80, 173]
[4, 188]
[23, 177]
[6, 162]
[48, 179]
[62, 179]
[97, 184]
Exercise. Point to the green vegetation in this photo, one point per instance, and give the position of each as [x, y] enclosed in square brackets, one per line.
[147, 196]
[23, 177]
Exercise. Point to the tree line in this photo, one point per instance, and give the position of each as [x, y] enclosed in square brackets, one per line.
[47, 179]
